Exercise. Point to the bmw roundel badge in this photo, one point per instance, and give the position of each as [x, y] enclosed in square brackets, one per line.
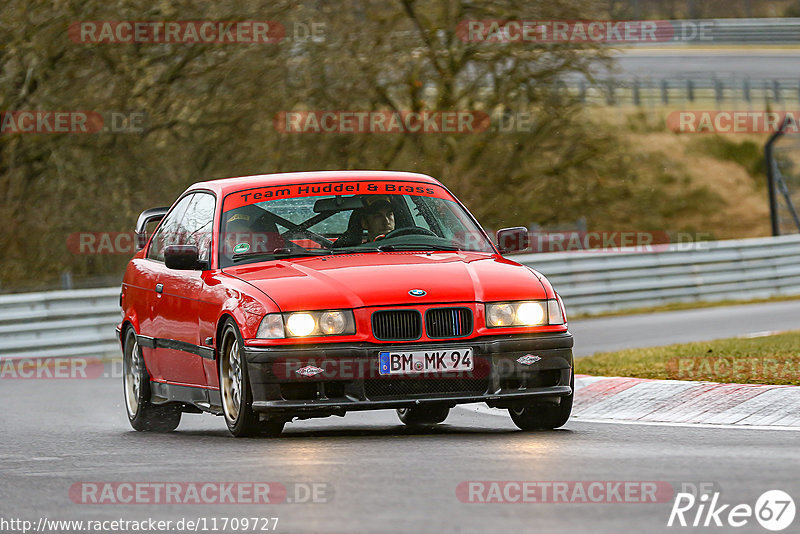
[417, 292]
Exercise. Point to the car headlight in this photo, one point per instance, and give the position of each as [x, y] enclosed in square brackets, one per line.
[526, 313]
[306, 324]
[271, 327]
[556, 312]
[332, 323]
[300, 324]
[531, 313]
[500, 314]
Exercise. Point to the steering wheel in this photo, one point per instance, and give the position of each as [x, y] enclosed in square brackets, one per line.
[409, 230]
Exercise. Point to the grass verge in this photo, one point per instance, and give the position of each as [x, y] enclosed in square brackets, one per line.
[763, 360]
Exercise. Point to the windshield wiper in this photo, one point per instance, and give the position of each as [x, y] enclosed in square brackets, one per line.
[413, 246]
[280, 253]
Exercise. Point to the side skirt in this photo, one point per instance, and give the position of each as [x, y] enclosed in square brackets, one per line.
[206, 400]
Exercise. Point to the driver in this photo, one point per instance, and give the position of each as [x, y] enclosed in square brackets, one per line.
[377, 217]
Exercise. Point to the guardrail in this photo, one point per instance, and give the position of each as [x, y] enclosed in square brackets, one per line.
[687, 88]
[81, 322]
[59, 323]
[784, 31]
[592, 282]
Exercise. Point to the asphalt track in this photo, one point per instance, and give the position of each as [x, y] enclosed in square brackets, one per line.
[379, 475]
[382, 477]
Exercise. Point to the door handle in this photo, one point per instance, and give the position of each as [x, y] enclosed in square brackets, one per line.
[159, 288]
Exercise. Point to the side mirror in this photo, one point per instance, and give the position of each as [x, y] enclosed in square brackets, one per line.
[182, 257]
[512, 239]
[146, 217]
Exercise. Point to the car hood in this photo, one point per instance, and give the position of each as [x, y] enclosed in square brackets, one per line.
[385, 279]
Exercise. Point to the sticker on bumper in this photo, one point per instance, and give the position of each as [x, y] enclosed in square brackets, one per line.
[528, 359]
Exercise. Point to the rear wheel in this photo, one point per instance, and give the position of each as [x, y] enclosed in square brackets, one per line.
[142, 414]
[234, 385]
[544, 415]
[423, 415]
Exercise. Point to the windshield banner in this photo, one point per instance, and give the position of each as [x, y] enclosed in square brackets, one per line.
[365, 187]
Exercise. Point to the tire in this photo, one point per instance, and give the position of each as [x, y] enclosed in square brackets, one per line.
[234, 388]
[143, 415]
[423, 415]
[544, 416]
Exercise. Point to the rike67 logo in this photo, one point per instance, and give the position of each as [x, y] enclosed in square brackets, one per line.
[774, 510]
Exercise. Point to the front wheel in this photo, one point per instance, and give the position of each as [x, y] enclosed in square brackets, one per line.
[234, 385]
[143, 415]
[423, 415]
[544, 416]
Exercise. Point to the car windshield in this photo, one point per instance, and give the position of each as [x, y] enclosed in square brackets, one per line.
[295, 221]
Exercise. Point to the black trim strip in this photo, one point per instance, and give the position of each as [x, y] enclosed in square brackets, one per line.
[208, 400]
[207, 353]
[146, 341]
[353, 405]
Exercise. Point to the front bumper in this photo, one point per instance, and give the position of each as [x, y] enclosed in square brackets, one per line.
[349, 378]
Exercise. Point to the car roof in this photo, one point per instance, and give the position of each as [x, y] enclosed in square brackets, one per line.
[225, 186]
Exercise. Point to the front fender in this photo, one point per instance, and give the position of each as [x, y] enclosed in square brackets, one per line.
[246, 311]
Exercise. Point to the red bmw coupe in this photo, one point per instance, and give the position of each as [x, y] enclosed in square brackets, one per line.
[269, 298]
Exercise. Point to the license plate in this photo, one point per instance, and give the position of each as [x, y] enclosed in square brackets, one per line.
[425, 361]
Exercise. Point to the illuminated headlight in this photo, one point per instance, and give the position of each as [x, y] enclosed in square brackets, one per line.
[305, 324]
[529, 313]
[300, 324]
